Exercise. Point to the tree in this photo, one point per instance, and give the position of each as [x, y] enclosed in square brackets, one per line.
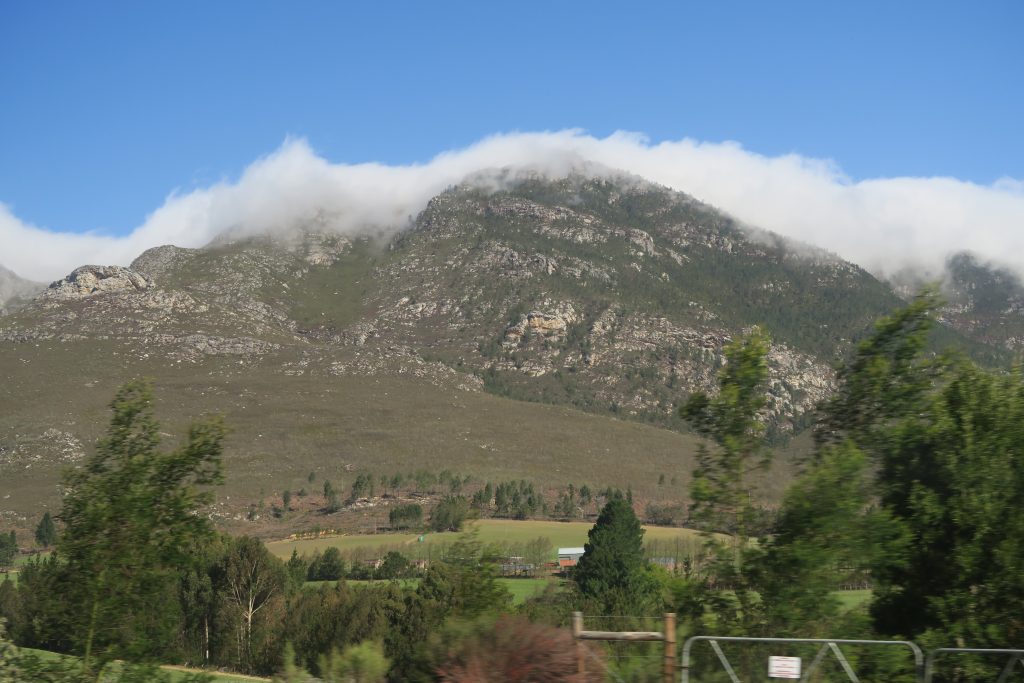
[8, 549]
[946, 440]
[730, 420]
[361, 663]
[286, 500]
[449, 514]
[327, 567]
[361, 487]
[465, 583]
[887, 379]
[952, 477]
[130, 516]
[406, 516]
[612, 571]
[827, 533]
[719, 486]
[251, 579]
[46, 531]
[395, 566]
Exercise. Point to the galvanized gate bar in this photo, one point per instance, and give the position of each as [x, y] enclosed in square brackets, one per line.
[845, 664]
[1007, 669]
[723, 659]
[1015, 656]
[832, 643]
[813, 666]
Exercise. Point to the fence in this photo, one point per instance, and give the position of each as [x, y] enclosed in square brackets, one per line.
[924, 668]
[667, 635]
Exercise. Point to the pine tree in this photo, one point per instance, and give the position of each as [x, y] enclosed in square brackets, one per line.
[46, 531]
[612, 571]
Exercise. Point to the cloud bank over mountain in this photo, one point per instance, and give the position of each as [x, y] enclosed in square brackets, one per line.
[883, 224]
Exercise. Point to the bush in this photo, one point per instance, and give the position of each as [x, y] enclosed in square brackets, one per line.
[326, 567]
[406, 516]
[450, 514]
[514, 650]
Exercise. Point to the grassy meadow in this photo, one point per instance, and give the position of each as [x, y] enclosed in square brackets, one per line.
[499, 531]
[177, 672]
[520, 588]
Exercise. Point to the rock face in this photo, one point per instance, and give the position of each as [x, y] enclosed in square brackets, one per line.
[92, 280]
[615, 297]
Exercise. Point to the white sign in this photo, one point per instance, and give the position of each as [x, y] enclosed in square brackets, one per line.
[783, 667]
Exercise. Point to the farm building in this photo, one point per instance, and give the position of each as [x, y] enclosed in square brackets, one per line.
[568, 557]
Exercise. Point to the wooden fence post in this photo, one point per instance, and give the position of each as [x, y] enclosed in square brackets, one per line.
[577, 629]
[670, 648]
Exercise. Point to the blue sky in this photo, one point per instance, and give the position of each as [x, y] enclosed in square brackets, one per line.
[109, 107]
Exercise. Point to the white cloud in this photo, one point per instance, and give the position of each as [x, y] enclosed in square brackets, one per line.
[883, 224]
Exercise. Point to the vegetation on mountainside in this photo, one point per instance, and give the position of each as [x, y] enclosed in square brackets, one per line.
[914, 489]
[309, 343]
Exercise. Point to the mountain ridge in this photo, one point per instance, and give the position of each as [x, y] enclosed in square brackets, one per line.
[611, 297]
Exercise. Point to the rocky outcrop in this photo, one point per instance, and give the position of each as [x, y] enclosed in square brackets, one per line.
[159, 262]
[93, 280]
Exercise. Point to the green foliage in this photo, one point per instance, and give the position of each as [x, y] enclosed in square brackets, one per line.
[516, 499]
[465, 584]
[130, 514]
[945, 440]
[395, 566]
[449, 514]
[406, 516]
[953, 477]
[251, 584]
[362, 487]
[326, 567]
[331, 499]
[17, 666]
[46, 531]
[729, 419]
[888, 378]
[612, 572]
[8, 549]
[827, 534]
[360, 663]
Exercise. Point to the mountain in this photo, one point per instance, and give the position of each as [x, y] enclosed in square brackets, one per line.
[15, 291]
[546, 329]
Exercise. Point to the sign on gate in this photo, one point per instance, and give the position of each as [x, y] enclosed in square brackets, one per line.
[783, 667]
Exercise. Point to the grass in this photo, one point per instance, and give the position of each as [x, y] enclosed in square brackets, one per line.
[520, 588]
[561, 534]
[284, 427]
[177, 672]
[851, 600]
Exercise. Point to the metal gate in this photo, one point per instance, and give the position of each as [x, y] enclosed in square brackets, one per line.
[827, 645]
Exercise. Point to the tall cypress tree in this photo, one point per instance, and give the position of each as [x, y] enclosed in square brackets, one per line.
[612, 571]
[46, 531]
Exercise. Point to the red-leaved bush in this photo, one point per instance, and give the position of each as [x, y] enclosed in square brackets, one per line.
[518, 651]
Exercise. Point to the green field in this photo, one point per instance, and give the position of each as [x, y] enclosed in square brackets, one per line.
[521, 589]
[851, 600]
[177, 672]
[561, 534]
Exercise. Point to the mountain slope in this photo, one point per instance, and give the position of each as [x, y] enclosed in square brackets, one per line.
[15, 291]
[335, 354]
